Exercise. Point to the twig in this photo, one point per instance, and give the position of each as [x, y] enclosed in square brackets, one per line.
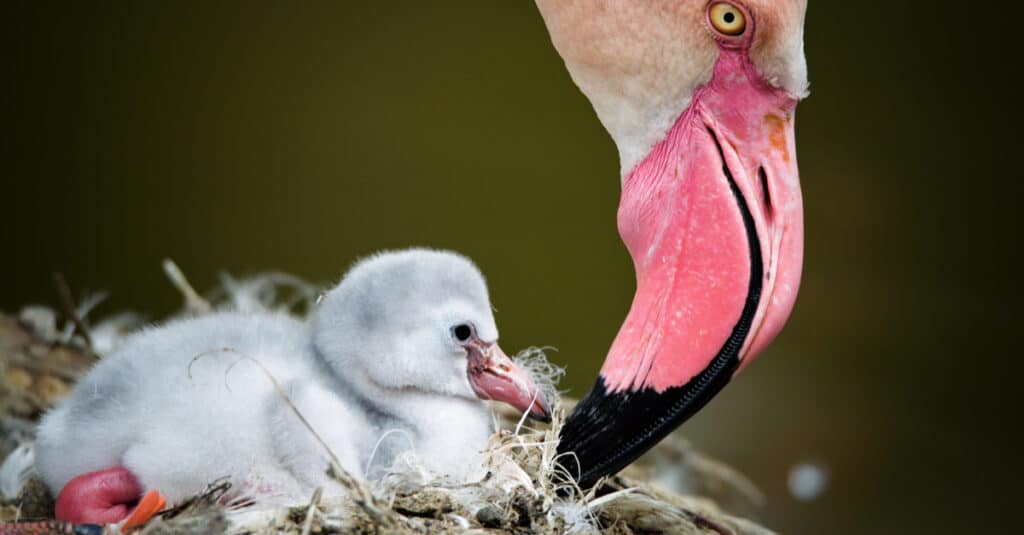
[68, 304]
[307, 526]
[210, 495]
[194, 303]
[603, 500]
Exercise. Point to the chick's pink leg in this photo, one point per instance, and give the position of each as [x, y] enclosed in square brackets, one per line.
[105, 497]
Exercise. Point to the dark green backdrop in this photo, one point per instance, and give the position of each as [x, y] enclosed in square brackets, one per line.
[298, 136]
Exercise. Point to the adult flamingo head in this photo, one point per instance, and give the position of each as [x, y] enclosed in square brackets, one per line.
[699, 97]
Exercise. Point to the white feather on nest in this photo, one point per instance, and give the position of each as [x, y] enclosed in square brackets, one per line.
[16, 471]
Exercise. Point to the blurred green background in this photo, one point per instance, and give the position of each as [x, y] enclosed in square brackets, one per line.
[299, 136]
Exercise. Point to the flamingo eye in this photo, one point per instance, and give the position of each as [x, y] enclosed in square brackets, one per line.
[727, 19]
[462, 332]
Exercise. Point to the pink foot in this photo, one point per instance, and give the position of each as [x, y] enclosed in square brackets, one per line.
[106, 497]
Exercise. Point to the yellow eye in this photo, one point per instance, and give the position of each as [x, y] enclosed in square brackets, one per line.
[727, 19]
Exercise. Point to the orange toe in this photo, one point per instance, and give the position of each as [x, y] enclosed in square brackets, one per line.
[149, 505]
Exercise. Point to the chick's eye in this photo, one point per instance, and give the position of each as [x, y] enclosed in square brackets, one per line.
[727, 19]
[462, 332]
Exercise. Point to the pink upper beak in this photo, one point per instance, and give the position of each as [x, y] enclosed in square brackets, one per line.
[494, 376]
[714, 223]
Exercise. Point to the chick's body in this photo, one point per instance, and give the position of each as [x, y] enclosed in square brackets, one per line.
[377, 371]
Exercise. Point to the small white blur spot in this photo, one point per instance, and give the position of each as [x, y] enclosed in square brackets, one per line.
[807, 481]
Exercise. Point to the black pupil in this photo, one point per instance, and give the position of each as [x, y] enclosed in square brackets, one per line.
[462, 332]
[728, 18]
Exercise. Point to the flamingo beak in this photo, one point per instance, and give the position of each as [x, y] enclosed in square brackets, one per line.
[495, 377]
[713, 221]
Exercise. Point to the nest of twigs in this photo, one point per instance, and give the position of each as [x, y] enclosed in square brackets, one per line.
[673, 489]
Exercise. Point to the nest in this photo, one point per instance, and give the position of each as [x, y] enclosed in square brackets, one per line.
[673, 489]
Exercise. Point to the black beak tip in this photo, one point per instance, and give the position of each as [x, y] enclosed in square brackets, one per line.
[608, 430]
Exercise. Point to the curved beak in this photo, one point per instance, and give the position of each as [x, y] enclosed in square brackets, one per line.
[713, 220]
[495, 377]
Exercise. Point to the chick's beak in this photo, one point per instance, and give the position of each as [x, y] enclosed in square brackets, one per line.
[494, 376]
